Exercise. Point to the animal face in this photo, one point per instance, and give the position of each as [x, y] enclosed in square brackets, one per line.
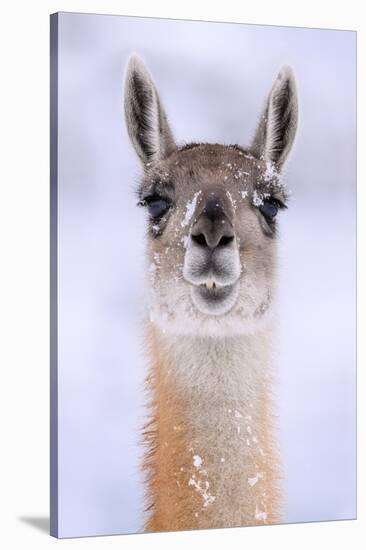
[212, 214]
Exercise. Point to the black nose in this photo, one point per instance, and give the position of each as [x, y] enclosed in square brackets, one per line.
[213, 227]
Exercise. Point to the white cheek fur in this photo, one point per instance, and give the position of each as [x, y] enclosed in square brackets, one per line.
[172, 309]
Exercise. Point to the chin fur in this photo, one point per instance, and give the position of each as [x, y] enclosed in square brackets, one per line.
[174, 312]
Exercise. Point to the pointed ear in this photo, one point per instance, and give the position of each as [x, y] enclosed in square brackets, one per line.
[277, 127]
[147, 124]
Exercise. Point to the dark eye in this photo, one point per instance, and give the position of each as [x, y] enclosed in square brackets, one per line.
[269, 209]
[156, 205]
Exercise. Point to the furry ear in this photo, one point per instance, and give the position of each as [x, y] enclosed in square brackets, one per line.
[277, 127]
[146, 121]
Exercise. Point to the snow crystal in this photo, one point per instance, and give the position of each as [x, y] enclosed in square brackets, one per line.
[249, 429]
[237, 414]
[244, 194]
[222, 459]
[190, 208]
[260, 515]
[253, 480]
[203, 491]
[240, 173]
[197, 461]
[257, 198]
[232, 200]
[270, 172]
[195, 484]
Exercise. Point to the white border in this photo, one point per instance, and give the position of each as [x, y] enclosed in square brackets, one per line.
[24, 273]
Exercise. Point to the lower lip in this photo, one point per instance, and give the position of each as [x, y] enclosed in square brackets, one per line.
[215, 301]
[215, 294]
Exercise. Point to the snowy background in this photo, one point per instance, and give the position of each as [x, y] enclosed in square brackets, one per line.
[213, 79]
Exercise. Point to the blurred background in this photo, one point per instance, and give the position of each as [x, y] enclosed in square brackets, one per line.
[213, 79]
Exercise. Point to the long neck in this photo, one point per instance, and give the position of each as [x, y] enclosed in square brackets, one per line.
[211, 461]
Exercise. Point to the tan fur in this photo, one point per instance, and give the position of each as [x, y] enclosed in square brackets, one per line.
[167, 439]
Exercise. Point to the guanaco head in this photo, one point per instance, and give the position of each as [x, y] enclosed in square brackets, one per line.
[212, 212]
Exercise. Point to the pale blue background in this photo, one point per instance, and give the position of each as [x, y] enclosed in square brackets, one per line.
[213, 79]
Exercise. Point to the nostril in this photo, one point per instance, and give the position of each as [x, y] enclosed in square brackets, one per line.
[199, 239]
[225, 240]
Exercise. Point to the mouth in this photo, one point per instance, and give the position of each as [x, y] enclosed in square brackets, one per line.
[213, 299]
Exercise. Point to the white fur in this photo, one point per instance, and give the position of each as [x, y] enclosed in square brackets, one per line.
[175, 312]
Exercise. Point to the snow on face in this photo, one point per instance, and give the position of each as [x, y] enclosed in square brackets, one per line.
[190, 208]
[245, 181]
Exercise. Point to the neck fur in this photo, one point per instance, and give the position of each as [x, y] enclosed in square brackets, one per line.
[210, 460]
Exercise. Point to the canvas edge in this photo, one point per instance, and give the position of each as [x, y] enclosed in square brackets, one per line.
[54, 523]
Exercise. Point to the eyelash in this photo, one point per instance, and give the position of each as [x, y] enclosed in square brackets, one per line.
[149, 201]
[165, 204]
[274, 202]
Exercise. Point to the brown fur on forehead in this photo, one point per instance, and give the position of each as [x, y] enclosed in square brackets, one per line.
[199, 166]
